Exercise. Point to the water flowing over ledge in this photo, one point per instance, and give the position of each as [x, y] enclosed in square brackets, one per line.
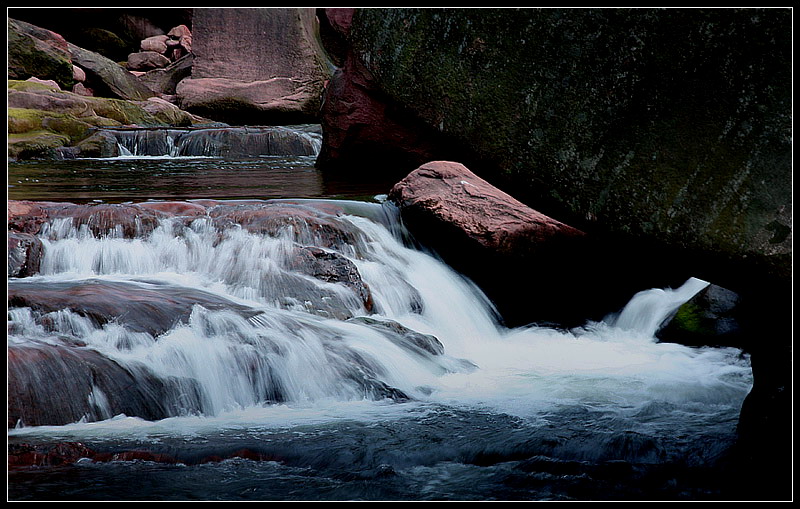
[280, 318]
[229, 142]
[317, 316]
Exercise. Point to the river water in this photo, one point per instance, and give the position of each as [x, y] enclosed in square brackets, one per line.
[600, 412]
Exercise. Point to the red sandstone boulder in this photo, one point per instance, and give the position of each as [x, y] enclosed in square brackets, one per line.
[48, 83]
[450, 194]
[175, 208]
[179, 42]
[78, 74]
[80, 89]
[251, 65]
[28, 216]
[530, 265]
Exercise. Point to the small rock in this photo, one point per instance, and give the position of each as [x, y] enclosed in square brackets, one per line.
[146, 61]
[78, 73]
[156, 43]
[49, 83]
[81, 89]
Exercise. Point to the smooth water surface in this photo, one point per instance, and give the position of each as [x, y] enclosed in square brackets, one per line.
[117, 180]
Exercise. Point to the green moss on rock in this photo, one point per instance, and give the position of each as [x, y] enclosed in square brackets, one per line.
[69, 118]
[99, 144]
[32, 53]
[36, 145]
[22, 120]
[689, 319]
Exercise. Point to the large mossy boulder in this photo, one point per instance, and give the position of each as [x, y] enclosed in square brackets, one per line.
[670, 125]
[36, 52]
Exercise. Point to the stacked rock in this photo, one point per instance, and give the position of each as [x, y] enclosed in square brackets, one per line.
[80, 78]
[158, 51]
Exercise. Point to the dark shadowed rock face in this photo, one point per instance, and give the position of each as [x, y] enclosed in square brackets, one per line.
[116, 81]
[362, 127]
[672, 126]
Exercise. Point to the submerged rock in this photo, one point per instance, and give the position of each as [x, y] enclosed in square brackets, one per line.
[24, 254]
[712, 317]
[313, 277]
[51, 384]
[138, 306]
[39, 455]
[306, 225]
[121, 220]
[402, 335]
[331, 267]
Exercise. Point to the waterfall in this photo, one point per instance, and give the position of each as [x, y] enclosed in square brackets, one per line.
[301, 140]
[235, 310]
[648, 310]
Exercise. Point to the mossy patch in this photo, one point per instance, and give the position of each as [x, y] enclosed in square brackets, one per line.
[689, 319]
[21, 120]
[36, 145]
[31, 57]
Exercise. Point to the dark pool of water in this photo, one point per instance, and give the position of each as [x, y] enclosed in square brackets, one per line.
[118, 180]
[432, 454]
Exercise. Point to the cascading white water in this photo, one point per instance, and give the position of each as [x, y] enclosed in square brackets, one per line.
[289, 354]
